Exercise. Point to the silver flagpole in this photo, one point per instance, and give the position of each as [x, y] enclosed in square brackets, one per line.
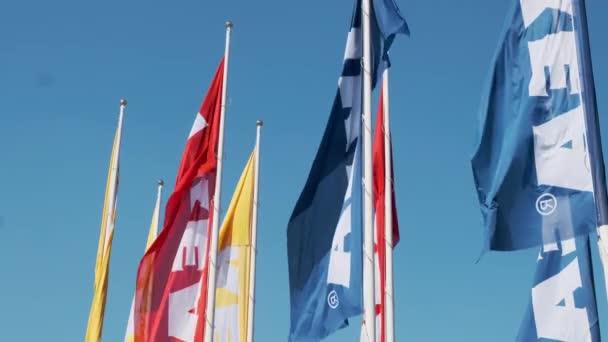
[212, 267]
[389, 312]
[254, 234]
[369, 306]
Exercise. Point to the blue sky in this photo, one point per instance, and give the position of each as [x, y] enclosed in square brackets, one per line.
[65, 64]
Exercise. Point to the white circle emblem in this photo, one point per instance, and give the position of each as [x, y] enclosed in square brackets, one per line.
[332, 299]
[546, 204]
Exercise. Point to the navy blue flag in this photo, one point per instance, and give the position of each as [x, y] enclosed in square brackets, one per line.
[324, 234]
[539, 158]
[562, 305]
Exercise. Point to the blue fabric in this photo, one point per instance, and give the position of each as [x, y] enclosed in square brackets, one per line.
[591, 114]
[504, 164]
[332, 195]
[551, 268]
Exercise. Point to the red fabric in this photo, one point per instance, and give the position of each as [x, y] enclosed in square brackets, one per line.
[379, 191]
[157, 279]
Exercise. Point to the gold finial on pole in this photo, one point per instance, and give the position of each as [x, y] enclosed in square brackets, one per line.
[229, 24]
[259, 123]
[123, 102]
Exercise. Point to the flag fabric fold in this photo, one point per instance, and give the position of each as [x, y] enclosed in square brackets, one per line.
[562, 305]
[171, 280]
[538, 167]
[379, 227]
[593, 132]
[324, 234]
[234, 259]
[534, 160]
[104, 249]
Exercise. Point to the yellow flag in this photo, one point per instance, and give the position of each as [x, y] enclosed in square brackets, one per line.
[152, 233]
[234, 257]
[104, 249]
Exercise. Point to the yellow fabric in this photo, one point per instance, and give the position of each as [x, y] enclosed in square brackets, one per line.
[95, 324]
[234, 259]
[152, 233]
[153, 227]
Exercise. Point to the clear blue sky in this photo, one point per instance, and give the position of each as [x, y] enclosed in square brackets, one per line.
[64, 65]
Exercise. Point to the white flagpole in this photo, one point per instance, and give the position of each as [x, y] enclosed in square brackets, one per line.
[112, 194]
[115, 162]
[389, 312]
[254, 235]
[157, 206]
[212, 267]
[369, 306]
[152, 234]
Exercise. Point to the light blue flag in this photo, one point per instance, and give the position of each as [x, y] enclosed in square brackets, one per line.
[538, 166]
[539, 158]
[562, 305]
[324, 234]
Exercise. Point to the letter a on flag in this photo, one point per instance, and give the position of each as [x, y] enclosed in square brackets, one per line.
[538, 167]
[171, 283]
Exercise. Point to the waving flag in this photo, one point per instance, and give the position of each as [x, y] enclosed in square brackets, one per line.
[234, 259]
[562, 306]
[539, 158]
[152, 233]
[171, 281]
[379, 206]
[539, 166]
[104, 249]
[324, 234]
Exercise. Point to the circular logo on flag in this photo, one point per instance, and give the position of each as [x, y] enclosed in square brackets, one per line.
[546, 204]
[332, 299]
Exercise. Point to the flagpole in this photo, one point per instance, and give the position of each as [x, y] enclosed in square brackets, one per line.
[254, 234]
[369, 306]
[96, 314]
[389, 312]
[111, 208]
[212, 267]
[157, 206]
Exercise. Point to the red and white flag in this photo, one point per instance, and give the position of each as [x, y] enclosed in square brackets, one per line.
[379, 240]
[171, 288]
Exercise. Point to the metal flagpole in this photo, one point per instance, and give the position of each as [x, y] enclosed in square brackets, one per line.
[157, 207]
[369, 306]
[212, 267]
[254, 233]
[388, 214]
[97, 311]
[115, 162]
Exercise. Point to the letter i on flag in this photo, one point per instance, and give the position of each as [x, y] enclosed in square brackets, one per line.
[539, 168]
[171, 283]
[324, 233]
[234, 280]
[102, 265]
[152, 233]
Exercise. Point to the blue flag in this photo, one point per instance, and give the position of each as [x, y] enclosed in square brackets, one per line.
[539, 158]
[562, 305]
[324, 234]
